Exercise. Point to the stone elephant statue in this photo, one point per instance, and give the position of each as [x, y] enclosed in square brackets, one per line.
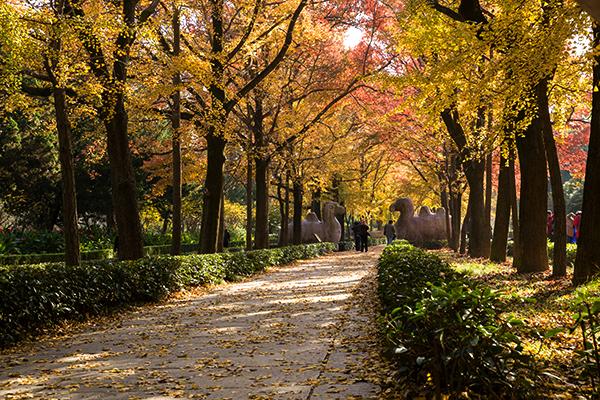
[328, 230]
[425, 227]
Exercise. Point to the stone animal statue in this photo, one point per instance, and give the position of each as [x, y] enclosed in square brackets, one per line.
[328, 230]
[427, 226]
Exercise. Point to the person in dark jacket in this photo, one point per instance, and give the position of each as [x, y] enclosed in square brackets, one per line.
[355, 232]
[389, 232]
[226, 238]
[363, 232]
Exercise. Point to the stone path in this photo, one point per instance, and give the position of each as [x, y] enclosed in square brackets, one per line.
[305, 331]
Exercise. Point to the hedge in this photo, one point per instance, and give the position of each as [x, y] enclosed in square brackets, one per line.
[37, 296]
[445, 333]
[94, 255]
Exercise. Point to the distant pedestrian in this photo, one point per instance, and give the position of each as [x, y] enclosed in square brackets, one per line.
[577, 225]
[570, 228]
[356, 233]
[226, 238]
[389, 232]
[363, 232]
[549, 224]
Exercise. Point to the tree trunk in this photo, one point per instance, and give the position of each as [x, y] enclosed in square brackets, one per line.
[479, 240]
[249, 224]
[474, 167]
[559, 260]
[286, 237]
[281, 201]
[502, 221]
[124, 192]
[456, 212]
[213, 193]
[514, 205]
[533, 252]
[221, 234]
[297, 233]
[446, 204]
[466, 229]
[261, 238]
[69, 199]
[587, 263]
[488, 189]
[176, 142]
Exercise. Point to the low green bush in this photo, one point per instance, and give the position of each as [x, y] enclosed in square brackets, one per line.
[571, 251]
[446, 332]
[38, 296]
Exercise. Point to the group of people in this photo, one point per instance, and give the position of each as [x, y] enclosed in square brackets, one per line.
[573, 222]
[361, 236]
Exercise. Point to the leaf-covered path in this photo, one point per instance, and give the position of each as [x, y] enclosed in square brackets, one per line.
[305, 331]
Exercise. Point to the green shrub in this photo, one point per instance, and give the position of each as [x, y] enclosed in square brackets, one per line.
[446, 333]
[37, 296]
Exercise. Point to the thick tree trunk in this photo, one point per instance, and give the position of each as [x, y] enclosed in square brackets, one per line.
[69, 199]
[124, 192]
[533, 252]
[502, 221]
[488, 189]
[261, 239]
[297, 192]
[281, 201]
[587, 263]
[221, 234]
[559, 260]
[456, 213]
[514, 205]
[176, 142]
[249, 224]
[479, 237]
[213, 193]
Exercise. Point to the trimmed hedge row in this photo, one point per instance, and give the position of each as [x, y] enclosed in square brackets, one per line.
[94, 255]
[38, 296]
[445, 332]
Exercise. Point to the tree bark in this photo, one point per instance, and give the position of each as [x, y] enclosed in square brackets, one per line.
[514, 205]
[474, 167]
[249, 224]
[466, 229]
[213, 192]
[176, 142]
[297, 192]
[488, 189]
[502, 221]
[559, 260]
[587, 262]
[533, 253]
[221, 233]
[69, 197]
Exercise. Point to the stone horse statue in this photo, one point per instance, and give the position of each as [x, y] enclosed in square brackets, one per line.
[427, 226]
[328, 230]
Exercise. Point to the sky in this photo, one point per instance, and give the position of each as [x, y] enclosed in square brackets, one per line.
[352, 37]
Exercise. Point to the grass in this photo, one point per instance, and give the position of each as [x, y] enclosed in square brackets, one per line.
[544, 303]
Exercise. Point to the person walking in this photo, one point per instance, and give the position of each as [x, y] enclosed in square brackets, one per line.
[389, 232]
[576, 224]
[356, 233]
[363, 232]
[549, 225]
[570, 228]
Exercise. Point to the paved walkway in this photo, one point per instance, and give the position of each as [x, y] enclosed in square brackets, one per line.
[305, 331]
